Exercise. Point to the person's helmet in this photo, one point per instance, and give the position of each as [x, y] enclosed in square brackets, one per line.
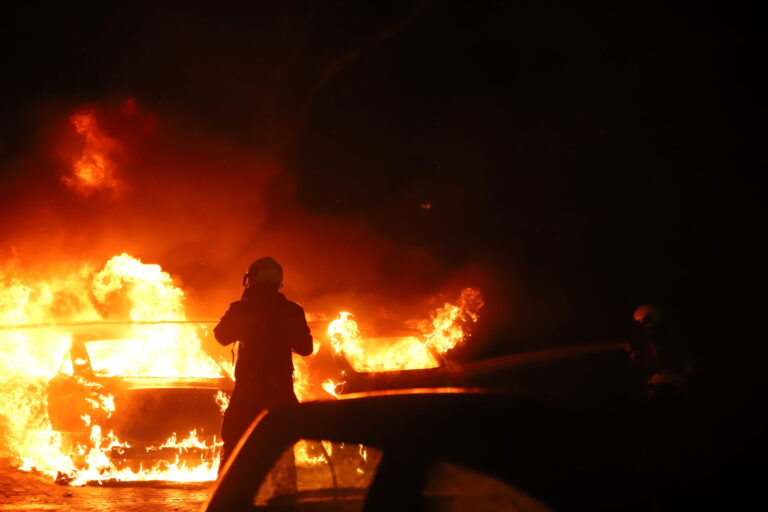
[646, 315]
[264, 270]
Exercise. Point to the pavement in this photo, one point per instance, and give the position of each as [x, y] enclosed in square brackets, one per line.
[29, 492]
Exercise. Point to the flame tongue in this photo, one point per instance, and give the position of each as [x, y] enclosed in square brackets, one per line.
[169, 350]
[440, 334]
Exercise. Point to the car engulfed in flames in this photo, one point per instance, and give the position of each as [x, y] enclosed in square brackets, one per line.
[142, 415]
[104, 378]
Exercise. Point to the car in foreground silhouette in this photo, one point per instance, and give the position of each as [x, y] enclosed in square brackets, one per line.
[464, 449]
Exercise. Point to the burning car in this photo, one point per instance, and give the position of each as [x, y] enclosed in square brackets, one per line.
[147, 419]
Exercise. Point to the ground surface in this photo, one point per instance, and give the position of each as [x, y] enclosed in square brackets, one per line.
[28, 492]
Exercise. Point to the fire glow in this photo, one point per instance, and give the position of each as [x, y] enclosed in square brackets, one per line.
[95, 168]
[32, 357]
[439, 335]
[112, 328]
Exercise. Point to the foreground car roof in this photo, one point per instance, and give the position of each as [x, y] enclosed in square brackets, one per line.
[554, 448]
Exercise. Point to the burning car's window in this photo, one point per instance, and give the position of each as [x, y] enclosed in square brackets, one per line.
[102, 352]
[453, 488]
[145, 357]
[320, 471]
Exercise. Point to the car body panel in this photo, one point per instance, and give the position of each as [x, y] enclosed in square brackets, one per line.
[523, 440]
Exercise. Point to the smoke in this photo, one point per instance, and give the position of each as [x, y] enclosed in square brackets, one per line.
[204, 207]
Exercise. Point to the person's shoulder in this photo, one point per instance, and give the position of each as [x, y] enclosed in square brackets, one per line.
[239, 305]
[289, 304]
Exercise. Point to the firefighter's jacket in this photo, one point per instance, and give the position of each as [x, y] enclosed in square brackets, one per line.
[269, 327]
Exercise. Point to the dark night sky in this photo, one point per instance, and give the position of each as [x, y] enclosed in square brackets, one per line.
[585, 150]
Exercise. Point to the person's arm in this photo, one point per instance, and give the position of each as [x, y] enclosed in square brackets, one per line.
[301, 341]
[228, 329]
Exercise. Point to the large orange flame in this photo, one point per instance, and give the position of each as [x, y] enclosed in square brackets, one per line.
[440, 334]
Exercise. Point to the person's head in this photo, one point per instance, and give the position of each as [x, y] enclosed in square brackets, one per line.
[646, 315]
[264, 272]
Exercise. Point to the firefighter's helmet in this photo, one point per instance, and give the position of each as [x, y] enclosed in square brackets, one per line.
[264, 270]
[646, 315]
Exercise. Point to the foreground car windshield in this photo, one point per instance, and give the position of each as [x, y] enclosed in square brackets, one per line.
[321, 475]
[313, 472]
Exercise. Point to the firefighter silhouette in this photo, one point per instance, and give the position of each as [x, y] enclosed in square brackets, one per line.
[660, 353]
[268, 328]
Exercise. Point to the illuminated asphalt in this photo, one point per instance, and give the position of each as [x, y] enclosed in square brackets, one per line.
[27, 492]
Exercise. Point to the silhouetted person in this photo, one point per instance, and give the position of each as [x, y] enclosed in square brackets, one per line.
[269, 327]
[660, 354]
